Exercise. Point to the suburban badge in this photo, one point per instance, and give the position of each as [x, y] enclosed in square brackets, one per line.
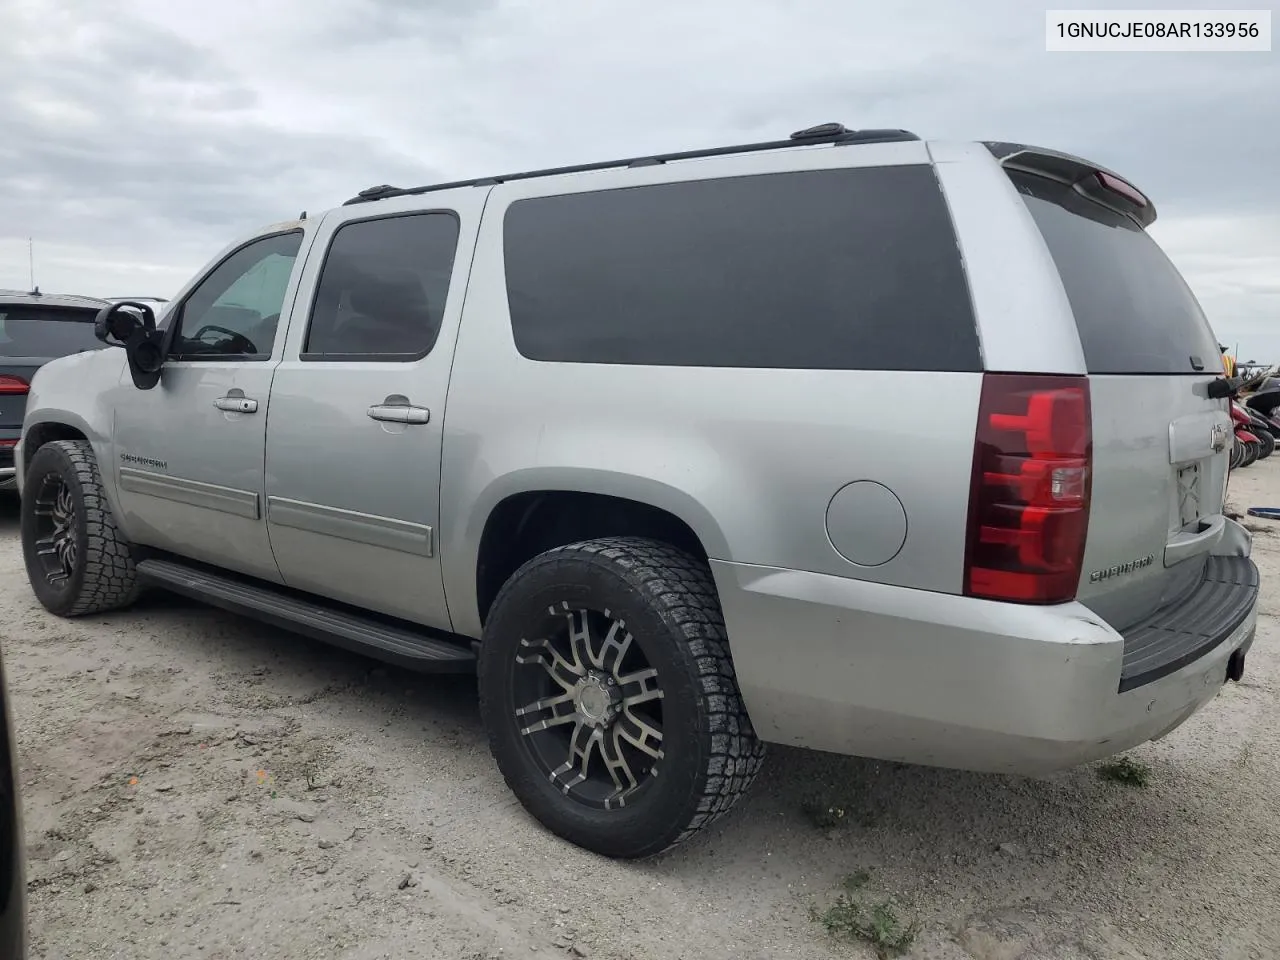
[1120, 569]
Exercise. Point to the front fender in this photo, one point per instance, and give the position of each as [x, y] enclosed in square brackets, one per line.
[75, 392]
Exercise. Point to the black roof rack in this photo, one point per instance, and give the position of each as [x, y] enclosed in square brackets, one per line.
[832, 133]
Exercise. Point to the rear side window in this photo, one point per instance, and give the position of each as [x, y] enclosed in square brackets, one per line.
[382, 289]
[844, 269]
[46, 332]
[1135, 313]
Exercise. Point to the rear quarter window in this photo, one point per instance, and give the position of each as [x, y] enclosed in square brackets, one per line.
[844, 269]
[1134, 312]
[48, 332]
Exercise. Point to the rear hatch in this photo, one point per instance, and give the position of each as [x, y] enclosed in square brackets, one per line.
[1161, 444]
[32, 334]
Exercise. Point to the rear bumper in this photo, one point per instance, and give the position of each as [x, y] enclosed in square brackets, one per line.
[897, 674]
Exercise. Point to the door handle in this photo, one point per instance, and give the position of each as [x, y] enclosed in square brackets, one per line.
[236, 404]
[399, 411]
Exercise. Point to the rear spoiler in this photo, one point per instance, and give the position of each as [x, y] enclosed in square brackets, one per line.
[1088, 179]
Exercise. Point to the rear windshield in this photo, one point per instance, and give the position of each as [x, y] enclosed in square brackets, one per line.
[1134, 311]
[47, 332]
[848, 269]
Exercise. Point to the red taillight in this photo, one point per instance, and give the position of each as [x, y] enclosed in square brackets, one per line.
[10, 384]
[1029, 497]
[8, 443]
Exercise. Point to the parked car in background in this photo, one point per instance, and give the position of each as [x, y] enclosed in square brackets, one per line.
[648, 477]
[35, 328]
[13, 885]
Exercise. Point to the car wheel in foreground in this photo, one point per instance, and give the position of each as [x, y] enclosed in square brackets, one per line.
[610, 699]
[77, 561]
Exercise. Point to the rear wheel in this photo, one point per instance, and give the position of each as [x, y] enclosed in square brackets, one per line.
[603, 664]
[76, 559]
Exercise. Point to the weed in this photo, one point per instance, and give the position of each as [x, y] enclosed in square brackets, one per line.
[1131, 773]
[849, 919]
[827, 810]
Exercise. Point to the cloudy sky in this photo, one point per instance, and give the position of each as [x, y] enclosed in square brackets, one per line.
[138, 137]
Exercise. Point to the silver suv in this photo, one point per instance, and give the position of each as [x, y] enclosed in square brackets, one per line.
[911, 450]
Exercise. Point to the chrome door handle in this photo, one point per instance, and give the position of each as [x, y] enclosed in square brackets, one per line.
[236, 404]
[399, 413]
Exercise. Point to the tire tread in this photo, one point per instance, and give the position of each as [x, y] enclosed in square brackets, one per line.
[110, 578]
[681, 585]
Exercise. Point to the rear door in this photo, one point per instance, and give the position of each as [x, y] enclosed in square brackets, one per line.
[357, 411]
[1160, 444]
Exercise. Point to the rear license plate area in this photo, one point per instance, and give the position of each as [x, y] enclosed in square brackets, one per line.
[1189, 495]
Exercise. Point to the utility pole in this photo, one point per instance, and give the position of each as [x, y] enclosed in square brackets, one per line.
[31, 263]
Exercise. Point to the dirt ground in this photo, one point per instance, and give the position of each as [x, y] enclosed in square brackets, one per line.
[197, 785]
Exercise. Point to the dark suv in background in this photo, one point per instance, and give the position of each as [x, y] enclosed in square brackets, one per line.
[34, 329]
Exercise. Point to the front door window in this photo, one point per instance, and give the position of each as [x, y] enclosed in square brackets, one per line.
[234, 312]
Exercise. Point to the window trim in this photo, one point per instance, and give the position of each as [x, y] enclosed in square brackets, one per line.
[388, 357]
[178, 314]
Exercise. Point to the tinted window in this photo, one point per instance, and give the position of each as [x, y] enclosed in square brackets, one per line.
[832, 269]
[383, 288]
[46, 332]
[235, 310]
[1134, 311]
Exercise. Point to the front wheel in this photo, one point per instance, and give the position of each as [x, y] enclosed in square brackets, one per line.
[77, 561]
[610, 699]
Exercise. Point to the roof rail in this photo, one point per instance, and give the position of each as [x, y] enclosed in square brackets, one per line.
[830, 133]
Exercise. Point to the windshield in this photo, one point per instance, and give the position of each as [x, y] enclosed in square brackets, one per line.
[49, 332]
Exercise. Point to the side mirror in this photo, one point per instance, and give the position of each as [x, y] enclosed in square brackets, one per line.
[132, 325]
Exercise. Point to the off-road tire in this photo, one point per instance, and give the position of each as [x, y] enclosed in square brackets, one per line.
[104, 577]
[668, 600]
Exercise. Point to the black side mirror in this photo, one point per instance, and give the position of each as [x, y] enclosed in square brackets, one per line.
[132, 325]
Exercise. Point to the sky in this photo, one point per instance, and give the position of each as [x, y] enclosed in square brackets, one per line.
[139, 137]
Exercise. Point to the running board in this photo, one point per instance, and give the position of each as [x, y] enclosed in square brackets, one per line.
[400, 645]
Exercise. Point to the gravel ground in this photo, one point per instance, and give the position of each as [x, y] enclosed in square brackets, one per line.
[197, 785]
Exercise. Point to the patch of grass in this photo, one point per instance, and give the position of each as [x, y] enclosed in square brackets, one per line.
[880, 926]
[1124, 770]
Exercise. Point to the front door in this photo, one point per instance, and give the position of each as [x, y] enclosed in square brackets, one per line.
[189, 453]
[357, 407]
